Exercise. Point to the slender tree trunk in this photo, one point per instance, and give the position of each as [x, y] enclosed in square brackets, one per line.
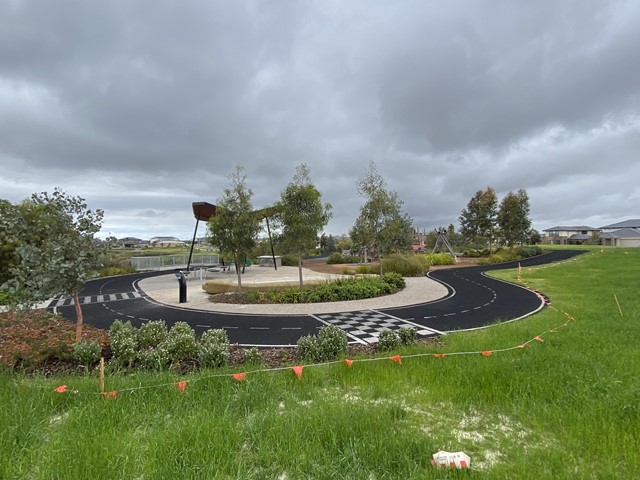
[300, 270]
[380, 260]
[239, 274]
[79, 317]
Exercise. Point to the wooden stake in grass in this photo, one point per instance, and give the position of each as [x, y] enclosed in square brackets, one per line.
[618, 303]
[101, 375]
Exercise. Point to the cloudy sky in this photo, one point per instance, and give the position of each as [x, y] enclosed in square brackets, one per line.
[143, 107]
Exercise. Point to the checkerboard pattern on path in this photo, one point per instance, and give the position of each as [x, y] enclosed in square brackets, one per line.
[110, 297]
[366, 325]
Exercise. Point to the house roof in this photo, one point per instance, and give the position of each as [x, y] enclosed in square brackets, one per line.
[634, 223]
[579, 236]
[574, 228]
[622, 233]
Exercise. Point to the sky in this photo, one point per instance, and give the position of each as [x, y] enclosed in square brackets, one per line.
[144, 107]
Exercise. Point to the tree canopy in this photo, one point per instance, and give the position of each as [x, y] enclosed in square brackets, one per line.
[513, 218]
[478, 220]
[301, 215]
[48, 244]
[381, 224]
[234, 227]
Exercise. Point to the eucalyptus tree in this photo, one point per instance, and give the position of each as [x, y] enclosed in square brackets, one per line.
[381, 223]
[513, 217]
[54, 250]
[478, 222]
[301, 215]
[234, 227]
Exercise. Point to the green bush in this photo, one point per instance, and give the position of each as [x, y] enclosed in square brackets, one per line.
[440, 259]
[181, 342]
[252, 357]
[213, 350]
[152, 334]
[289, 261]
[338, 258]
[154, 358]
[329, 344]
[394, 279]
[389, 340]
[87, 353]
[124, 342]
[119, 270]
[406, 265]
[407, 335]
[526, 252]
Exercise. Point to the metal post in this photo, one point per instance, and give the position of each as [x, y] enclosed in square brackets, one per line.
[193, 242]
[273, 254]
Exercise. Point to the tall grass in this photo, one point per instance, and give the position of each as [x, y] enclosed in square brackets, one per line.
[567, 408]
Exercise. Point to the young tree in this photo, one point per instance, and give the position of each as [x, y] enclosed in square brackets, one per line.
[234, 227]
[302, 215]
[381, 224]
[478, 220]
[55, 251]
[513, 217]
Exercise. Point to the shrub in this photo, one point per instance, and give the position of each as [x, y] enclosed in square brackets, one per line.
[407, 335]
[388, 340]
[440, 259]
[181, 342]
[338, 258]
[152, 334]
[526, 252]
[333, 342]
[124, 343]
[289, 261]
[154, 358]
[213, 350]
[309, 348]
[252, 357]
[394, 279]
[406, 265]
[87, 353]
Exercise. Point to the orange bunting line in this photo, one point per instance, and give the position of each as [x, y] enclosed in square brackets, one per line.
[241, 377]
[440, 355]
[486, 353]
[538, 339]
[553, 330]
[348, 362]
[298, 370]
[397, 359]
[522, 346]
[110, 395]
[181, 386]
[61, 389]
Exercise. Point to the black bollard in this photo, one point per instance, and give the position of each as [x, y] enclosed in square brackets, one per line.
[182, 281]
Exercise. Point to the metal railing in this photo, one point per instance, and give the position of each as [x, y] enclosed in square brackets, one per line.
[168, 262]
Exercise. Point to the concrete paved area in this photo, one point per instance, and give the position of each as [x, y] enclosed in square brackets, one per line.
[164, 289]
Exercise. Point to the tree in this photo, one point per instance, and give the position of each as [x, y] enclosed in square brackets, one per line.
[234, 227]
[478, 220]
[302, 215]
[55, 250]
[381, 225]
[513, 217]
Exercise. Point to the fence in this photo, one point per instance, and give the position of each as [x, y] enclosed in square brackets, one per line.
[162, 262]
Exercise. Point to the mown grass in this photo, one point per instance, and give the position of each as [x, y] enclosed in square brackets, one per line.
[565, 408]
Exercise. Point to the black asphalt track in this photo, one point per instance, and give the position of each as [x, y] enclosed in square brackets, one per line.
[474, 301]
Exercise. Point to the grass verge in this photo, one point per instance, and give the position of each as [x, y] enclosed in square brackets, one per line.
[568, 407]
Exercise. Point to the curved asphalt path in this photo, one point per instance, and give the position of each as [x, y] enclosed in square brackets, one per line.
[474, 301]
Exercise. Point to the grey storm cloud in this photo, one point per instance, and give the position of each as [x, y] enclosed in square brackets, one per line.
[144, 107]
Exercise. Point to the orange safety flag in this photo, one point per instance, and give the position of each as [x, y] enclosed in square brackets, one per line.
[523, 346]
[298, 370]
[348, 362]
[110, 395]
[519, 269]
[241, 377]
[181, 386]
[397, 359]
[538, 339]
[440, 355]
[61, 389]
[486, 353]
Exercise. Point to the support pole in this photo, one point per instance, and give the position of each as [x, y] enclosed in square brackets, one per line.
[193, 242]
[273, 254]
[101, 375]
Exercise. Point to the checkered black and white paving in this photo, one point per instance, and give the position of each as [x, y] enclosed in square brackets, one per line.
[365, 326]
[110, 297]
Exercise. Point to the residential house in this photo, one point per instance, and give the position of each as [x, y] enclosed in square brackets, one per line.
[569, 235]
[621, 234]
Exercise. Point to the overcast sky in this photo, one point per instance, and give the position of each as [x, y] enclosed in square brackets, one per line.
[143, 107]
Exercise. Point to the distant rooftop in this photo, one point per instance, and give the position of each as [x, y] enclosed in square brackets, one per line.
[635, 223]
[573, 228]
[622, 233]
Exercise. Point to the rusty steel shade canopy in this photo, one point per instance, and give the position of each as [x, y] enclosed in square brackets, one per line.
[203, 210]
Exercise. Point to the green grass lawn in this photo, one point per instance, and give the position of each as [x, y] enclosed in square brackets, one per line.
[565, 408]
